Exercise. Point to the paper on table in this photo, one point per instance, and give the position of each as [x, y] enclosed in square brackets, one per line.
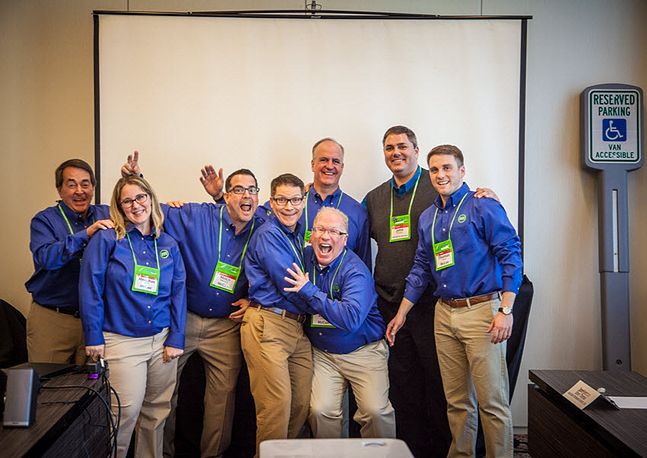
[630, 402]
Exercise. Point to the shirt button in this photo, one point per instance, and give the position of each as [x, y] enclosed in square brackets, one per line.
[144, 252]
[149, 322]
[444, 229]
[444, 286]
[148, 306]
[211, 310]
[321, 334]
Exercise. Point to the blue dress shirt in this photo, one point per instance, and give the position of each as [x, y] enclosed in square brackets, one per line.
[409, 185]
[271, 251]
[196, 228]
[352, 309]
[56, 253]
[487, 250]
[107, 301]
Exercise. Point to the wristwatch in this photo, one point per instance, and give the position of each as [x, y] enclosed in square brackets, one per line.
[505, 310]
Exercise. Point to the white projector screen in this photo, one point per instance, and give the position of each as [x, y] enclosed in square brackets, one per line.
[259, 92]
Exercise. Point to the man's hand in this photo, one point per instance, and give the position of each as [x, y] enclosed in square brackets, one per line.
[131, 167]
[500, 328]
[238, 315]
[175, 203]
[393, 327]
[171, 353]
[213, 182]
[486, 192]
[94, 352]
[99, 226]
[297, 280]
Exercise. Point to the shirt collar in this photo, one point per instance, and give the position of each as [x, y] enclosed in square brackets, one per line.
[226, 219]
[409, 185]
[297, 229]
[331, 197]
[132, 229]
[454, 199]
[71, 214]
[333, 265]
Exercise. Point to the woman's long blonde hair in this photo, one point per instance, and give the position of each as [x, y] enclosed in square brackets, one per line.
[117, 213]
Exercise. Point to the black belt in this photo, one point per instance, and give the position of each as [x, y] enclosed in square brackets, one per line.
[465, 301]
[65, 310]
[282, 312]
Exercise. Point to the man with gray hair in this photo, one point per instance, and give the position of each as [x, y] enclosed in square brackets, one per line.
[346, 332]
[59, 234]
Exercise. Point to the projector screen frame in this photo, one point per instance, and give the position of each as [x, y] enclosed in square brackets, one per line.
[328, 15]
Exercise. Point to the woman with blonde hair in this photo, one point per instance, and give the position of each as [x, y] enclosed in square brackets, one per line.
[133, 309]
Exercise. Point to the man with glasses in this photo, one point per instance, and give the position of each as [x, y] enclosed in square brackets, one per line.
[346, 332]
[277, 351]
[59, 234]
[213, 239]
[327, 166]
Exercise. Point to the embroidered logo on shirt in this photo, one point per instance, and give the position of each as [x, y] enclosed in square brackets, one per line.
[462, 218]
[164, 254]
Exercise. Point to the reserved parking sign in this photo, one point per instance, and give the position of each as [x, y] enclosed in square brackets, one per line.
[612, 126]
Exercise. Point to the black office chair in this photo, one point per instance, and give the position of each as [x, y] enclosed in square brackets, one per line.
[13, 336]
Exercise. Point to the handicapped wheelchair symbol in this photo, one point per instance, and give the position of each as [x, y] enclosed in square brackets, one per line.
[614, 130]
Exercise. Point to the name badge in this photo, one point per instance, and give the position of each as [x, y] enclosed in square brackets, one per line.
[444, 254]
[306, 239]
[400, 228]
[317, 321]
[225, 277]
[146, 280]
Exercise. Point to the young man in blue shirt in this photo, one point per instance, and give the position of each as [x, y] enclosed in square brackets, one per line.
[469, 248]
[276, 349]
[346, 332]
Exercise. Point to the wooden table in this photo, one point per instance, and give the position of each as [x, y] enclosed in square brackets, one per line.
[69, 422]
[557, 428]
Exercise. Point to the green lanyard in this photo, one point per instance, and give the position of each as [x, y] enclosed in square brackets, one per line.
[242, 256]
[318, 321]
[400, 225]
[67, 221]
[145, 279]
[225, 276]
[69, 226]
[433, 224]
[314, 274]
[308, 234]
[444, 251]
[298, 253]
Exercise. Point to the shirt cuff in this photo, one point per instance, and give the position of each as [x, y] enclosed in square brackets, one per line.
[175, 340]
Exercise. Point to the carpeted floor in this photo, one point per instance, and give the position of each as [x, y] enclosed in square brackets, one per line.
[521, 446]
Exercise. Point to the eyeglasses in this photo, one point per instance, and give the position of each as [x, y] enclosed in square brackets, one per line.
[139, 198]
[283, 201]
[333, 232]
[239, 190]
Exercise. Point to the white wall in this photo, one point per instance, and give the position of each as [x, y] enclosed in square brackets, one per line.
[46, 116]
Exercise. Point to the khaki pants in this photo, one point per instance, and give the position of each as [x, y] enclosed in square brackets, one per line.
[145, 386]
[474, 369]
[366, 371]
[279, 359]
[54, 337]
[217, 341]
